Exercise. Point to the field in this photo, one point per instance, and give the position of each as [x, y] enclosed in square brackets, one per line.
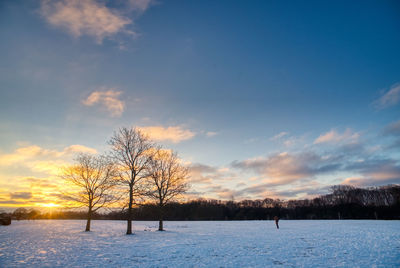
[62, 243]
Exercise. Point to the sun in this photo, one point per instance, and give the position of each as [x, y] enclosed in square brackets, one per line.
[50, 205]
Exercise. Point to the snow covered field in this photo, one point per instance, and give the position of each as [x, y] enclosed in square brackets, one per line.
[56, 243]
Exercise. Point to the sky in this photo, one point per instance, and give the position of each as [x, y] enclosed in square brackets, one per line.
[279, 99]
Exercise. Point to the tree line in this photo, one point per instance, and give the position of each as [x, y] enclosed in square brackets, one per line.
[343, 202]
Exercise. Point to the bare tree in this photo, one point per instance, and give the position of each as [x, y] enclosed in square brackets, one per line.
[167, 180]
[131, 150]
[96, 178]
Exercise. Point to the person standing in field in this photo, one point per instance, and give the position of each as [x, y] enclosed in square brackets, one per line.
[276, 218]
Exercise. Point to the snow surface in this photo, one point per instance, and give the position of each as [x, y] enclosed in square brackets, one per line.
[62, 243]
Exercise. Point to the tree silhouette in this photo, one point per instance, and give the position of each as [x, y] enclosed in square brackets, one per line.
[167, 180]
[131, 151]
[95, 176]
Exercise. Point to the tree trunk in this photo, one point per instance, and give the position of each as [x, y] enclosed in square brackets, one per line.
[89, 218]
[160, 222]
[129, 227]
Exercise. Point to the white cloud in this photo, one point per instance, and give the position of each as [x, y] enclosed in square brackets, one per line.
[348, 136]
[110, 100]
[390, 98]
[293, 140]
[279, 136]
[140, 5]
[211, 134]
[86, 17]
[174, 134]
[393, 129]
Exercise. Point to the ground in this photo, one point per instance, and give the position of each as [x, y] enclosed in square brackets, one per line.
[62, 243]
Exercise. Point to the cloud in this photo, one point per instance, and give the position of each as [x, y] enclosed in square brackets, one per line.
[334, 137]
[287, 140]
[12, 202]
[140, 5]
[392, 129]
[305, 173]
[173, 134]
[109, 99]
[395, 145]
[225, 193]
[216, 191]
[31, 191]
[200, 173]
[25, 153]
[311, 190]
[51, 167]
[201, 168]
[211, 134]
[393, 132]
[29, 174]
[88, 17]
[41, 159]
[77, 148]
[251, 140]
[208, 181]
[21, 195]
[41, 183]
[279, 136]
[293, 140]
[258, 190]
[285, 168]
[364, 182]
[205, 174]
[390, 98]
[375, 172]
[264, 190]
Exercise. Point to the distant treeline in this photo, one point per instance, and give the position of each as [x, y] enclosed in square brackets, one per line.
[344, 202]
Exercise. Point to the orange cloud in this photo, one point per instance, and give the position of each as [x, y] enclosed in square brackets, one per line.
[109, 98]
[77, 148]
[29, 191]
[40, 159]
[34, 192]
[25, 153]
[33, 160]
[173, 134]
[87, 17]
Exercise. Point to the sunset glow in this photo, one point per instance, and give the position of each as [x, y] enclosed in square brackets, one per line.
[50, 205]
[259, 100]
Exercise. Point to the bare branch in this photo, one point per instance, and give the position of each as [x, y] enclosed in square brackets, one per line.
[96, 176]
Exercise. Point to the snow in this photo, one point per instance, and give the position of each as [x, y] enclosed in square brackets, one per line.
[62, 243]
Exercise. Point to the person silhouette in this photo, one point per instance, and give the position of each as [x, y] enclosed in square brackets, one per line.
[276, 218]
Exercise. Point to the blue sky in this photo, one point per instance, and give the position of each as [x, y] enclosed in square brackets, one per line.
[261, 98]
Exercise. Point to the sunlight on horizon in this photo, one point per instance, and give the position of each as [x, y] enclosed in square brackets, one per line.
[49, 205]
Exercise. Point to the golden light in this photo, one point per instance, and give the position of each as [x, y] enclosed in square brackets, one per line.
[49, 205]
